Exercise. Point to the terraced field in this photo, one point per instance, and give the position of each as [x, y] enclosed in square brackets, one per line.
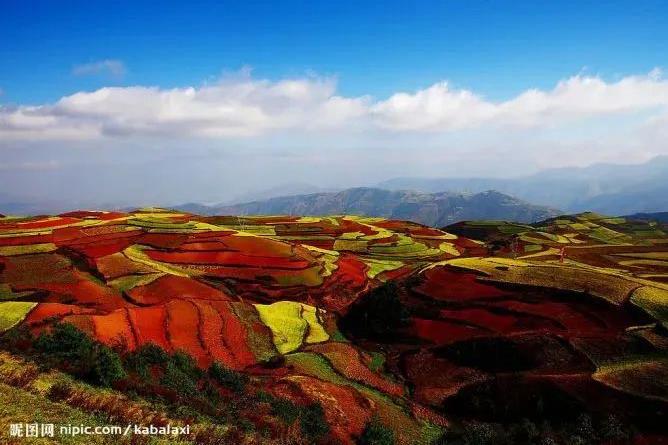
[384, 322]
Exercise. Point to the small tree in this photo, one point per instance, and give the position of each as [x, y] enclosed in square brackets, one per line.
[228, 378]
[375, 433]
[313, 423]
[107, 367]
[145, 356]
[65, 340]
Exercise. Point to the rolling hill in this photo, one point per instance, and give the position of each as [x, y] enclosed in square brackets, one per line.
[434, 209]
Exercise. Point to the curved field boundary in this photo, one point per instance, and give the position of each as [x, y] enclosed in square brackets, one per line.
[13, 312]
[292, 324]
[652, 300]
[612, 287]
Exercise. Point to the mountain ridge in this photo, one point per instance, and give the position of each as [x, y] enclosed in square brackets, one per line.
[607, 188]
[435, 209]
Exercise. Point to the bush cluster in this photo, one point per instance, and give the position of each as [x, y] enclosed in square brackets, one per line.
[174, 380]
[71, 348]
[311, 417]
[375, 433]
[580, 431]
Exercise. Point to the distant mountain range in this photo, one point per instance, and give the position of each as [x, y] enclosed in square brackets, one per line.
[434, 209]
[659, 216]
[605, 188]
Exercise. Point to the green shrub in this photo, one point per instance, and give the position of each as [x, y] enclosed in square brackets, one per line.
[229, 378]
[375, 433]
[59, 391]
[150, 354]
[312, 421]
[179, 381]
[65, 341]
[285, 410]
[107, 367]
[17, 339]
[81, 355]
[186, 364]
[145, 356]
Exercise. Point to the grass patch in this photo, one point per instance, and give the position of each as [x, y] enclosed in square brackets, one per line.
[291, 324]
[27, 249]
[652, 300]
[376, 267]
[13, 312]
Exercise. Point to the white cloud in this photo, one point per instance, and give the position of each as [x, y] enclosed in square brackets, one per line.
[437, 108]
[243, 107]
[113, 67]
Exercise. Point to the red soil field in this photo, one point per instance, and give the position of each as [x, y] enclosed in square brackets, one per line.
[352, 270]
[226, 259]
[24, 240]
[425, 231]
[234, 333]
[46, 312]
[68, 236]
[88, 293]
[442, 283]
[499, 323]
[544, 335]
[443, 332]
[397, 226]
[118, 265]
[114, 328]
[104, 216]
[345, 284]
[206, 246]
[396, 273]
[26, 272]
[163, 240]
[577, 318]
[256, 246]
[211, 331]
[169, 287]
[41, 224]
[83, 322]
[347, 360]
[148, 323]
[183, 322]
[104, 248]
[238, 273]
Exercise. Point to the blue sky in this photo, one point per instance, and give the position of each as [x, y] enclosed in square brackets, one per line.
[136, 102]
[494, 48]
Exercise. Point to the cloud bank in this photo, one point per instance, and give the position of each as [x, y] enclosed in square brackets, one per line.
[244, 107]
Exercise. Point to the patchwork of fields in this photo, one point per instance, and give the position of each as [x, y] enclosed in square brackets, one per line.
[388, 322]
